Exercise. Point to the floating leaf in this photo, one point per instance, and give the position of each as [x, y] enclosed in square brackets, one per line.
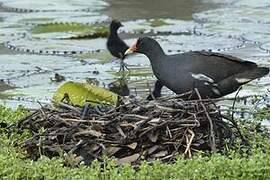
[80, 93]
[56, 46]
[158, 22]
[69, 30]
[103, 56]
[60, 27]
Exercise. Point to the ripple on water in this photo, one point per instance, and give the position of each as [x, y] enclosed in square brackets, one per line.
[183, 43]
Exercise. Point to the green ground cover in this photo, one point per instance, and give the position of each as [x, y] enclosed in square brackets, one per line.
[251, 163]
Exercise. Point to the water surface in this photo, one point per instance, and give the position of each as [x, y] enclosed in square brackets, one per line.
[240, 28]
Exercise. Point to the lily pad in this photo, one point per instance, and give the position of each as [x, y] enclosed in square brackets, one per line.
[80, 93]
[70, 30]
[158, 22]
[103, 56]
[56, 46]
[60, 27]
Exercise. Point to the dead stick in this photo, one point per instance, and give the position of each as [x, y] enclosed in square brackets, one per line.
[189, 142]
[212, 135]
[235, 101]
[119, 129]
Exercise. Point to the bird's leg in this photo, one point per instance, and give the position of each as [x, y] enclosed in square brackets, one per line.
[126, 67]
[123, 66]
[156, 92]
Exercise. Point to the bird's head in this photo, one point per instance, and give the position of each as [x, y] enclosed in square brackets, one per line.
[143, 45]
[115, 24]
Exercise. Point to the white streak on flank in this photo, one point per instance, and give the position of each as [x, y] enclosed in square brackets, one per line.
[216, 91]
[242, 80]
[202, 77]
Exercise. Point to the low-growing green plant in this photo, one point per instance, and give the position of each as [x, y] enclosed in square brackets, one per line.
[10, 116]
[14, 164]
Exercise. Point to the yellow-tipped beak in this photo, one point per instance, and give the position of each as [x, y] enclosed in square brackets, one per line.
[129, 51]
[132, 49]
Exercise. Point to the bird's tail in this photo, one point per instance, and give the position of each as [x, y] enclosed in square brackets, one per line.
[232, 83]
[250, 75]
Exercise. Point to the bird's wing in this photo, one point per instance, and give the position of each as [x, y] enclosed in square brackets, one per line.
[207, 66]
[224, 56]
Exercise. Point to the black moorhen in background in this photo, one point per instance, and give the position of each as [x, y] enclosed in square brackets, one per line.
[115, 45]
[213, 74]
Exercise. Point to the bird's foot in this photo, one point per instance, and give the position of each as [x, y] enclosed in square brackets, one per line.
[150, 97]
[123, 67]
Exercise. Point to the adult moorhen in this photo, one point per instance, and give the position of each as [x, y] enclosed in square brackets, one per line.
[213, 74]
[115, 45]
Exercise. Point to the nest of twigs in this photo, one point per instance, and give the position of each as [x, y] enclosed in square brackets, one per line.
[132, 131]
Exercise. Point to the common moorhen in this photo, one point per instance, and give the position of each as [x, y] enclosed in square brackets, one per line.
[213, 74]
[115, 45]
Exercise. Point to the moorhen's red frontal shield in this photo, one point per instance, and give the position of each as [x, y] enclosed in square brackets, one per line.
[213, 74]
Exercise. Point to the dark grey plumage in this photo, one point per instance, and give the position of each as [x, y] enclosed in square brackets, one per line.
[156, 92]
[115, 45]
[213, 74]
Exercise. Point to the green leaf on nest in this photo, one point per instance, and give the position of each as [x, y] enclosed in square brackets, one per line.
[81, 93]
